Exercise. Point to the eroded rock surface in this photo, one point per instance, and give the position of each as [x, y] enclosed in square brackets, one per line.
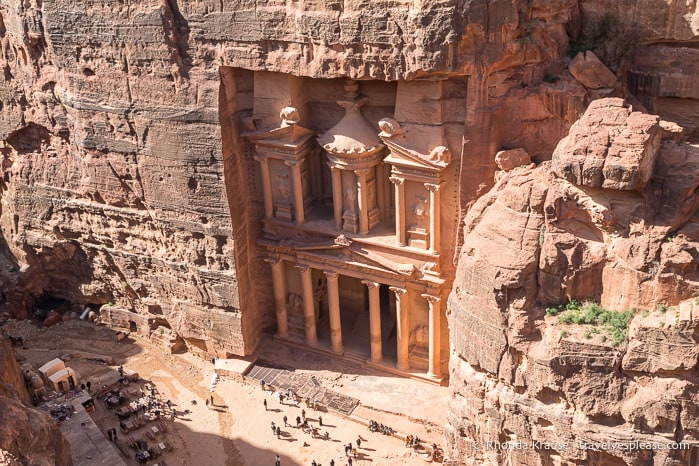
[540, 237]
[28, 434]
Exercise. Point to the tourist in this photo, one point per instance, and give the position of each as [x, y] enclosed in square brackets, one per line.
[89, 386]
[264, 402]
[349, 461]
[313, 463]
[298, 421]
[212, 400]
[207, 402]
[277, 461]
[320, 420]
[332, 462]
[262, 385]
[279, 431]
[285, 421]
[274, 428]
[303, 414]
[281, 398]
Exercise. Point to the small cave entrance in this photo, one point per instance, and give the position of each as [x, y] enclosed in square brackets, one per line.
[133, 327]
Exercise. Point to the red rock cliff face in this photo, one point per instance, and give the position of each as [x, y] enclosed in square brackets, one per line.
[612, 219]
[115, 187]
[28, 434]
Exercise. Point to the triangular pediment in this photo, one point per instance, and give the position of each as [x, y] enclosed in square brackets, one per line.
[343, 251]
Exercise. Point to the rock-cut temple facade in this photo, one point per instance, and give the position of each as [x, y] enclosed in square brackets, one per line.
[353, 189]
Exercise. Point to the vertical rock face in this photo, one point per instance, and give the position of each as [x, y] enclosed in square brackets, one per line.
[122, 179]
[28, 434]
[543, 236]
[115, 187]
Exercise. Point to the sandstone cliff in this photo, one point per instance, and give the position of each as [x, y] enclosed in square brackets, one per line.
[613, 220]
[114, 186]
[28, 434]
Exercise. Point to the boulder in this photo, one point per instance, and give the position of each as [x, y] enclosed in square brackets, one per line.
[610, 146]
[509, 159]
[591, 72]
[52, 319]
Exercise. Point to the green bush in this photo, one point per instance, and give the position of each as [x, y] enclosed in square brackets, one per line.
[616, 323]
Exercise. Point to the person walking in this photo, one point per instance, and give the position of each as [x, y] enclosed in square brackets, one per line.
[349, 461]
[281, 398]
[207, 402]
[277, 461]
[332, 462]
[274, 428]
[298, 421]
[264, 402]
[303, 414]
[285, 421]
[359, 442]
[212, 400]
[320, 420]
[279, 431]
[262, 385]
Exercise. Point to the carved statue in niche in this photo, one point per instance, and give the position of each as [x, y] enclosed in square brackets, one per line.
[351, 200]
[282, 181]
[421, 211]
[294, 303]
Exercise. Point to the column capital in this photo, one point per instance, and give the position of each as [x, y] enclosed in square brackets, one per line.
[333, 166]
[371, 284]
[331, 274]
[273, 260]
[430, 298]
[396, 180]
[398, 291]
[434, 187]
[291, 163]
[362, 172]
[303, 268]
[263, 159]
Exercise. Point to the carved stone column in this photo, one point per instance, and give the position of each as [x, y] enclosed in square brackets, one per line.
[337, 195]
[279, 285]
[334, 308]
[297, 186]
[266, 185]
[363, 198]
[374, 320]
[435, 236]
[403, 328]
[435, 341]
[400, 209]
[309, 312]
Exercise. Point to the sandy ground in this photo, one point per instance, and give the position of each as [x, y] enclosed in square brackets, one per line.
[236, 430]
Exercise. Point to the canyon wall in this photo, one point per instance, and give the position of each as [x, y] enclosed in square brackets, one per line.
[121, 174]
[27, 435]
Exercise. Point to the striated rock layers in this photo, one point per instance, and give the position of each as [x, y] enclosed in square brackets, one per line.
[613, 219]
[115, 182]
[29, 435]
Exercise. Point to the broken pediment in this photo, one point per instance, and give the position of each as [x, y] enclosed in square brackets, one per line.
[402, 155]
[289, 137]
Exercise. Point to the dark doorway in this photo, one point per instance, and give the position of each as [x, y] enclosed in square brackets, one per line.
[388, 323]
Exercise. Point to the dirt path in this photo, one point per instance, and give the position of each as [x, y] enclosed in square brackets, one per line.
[236, 430]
